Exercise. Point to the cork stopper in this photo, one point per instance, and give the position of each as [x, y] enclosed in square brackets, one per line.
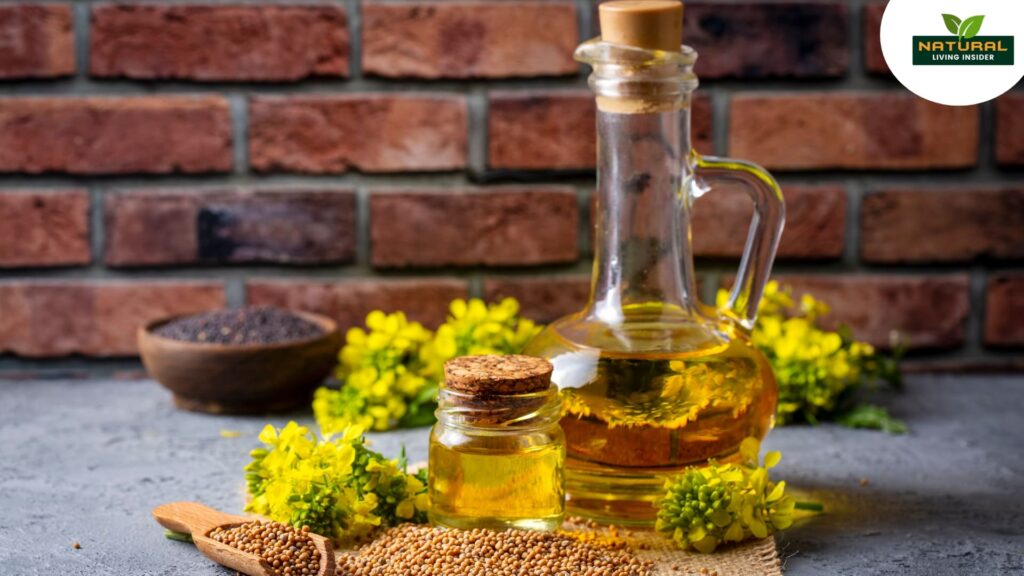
[648, 24]
[491, 375]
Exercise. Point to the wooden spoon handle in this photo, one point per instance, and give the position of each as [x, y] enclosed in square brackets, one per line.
[193, 517]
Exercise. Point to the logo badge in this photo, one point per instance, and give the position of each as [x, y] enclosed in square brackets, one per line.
[963, 67]
[965, 46]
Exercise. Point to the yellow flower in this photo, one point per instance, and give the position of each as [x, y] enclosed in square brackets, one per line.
[406, 508]
[474, 327]
[336, 486]
[704, 507]
[390, 371]
[815, 369]
[376, 366]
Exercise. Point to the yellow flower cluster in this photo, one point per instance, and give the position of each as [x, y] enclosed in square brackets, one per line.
[707, 506]
[338, 487]
[473, 328]
[391, 370]
[382, 375]
[817, 371]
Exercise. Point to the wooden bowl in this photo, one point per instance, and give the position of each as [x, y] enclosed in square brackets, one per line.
[240, 378]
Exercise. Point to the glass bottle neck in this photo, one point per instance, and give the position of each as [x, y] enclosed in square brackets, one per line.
[642, 231]
[642, 250]
[499, 413]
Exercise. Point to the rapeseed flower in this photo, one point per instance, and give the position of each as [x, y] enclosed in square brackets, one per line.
[817, 371]
[719, 503]
[337, 486]
[390, 371]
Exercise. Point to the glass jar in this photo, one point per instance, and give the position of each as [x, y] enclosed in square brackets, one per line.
[654, 380]
[497, 455]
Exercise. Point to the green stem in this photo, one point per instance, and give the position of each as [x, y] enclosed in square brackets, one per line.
[811, 506]
[179, 536]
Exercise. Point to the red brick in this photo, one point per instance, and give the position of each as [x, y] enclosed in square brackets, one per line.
[541, 299]
[549, 130]
[36, 41]
[1010, 129]
[557, 130]
[501, 227]
[437, 39]
[366, 132]
[230, 227]
[925, 311]
[218, 42]
[768, 40]
[47, 319]
[150, 134]
[44, 228]
[874, 61]
[1004, 311]
[852, 131]
[815, 223]
[900, 226]
[424, 300]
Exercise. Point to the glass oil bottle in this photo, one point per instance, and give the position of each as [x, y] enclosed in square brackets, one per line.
[653, 380]
[497, 452]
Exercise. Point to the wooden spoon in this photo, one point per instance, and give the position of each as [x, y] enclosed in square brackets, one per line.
[198, 520]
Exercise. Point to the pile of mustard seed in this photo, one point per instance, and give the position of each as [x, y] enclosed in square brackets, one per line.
[289, 551]
[412, 550]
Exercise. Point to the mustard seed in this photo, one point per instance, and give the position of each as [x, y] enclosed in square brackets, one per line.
[410, 549]
[287, 550]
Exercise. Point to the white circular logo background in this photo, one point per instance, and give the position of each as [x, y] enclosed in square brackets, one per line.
[953, 84]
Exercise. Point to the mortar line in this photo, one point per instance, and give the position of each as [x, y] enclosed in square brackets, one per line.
[940, 180]
[239, 106]
[478, 109]
[97, 228]
[855, 29]
[851, 82]
[234, 292]
[475, 284]
[354, 15]
[81, 29]
[975, 329]
[587, 28]
[720, 100]
[708, 288]
[363, 241]
[855, 192]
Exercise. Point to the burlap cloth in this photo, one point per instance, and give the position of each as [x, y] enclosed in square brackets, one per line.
[750, 558]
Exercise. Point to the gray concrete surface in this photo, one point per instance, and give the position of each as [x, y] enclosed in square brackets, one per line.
[84, 461]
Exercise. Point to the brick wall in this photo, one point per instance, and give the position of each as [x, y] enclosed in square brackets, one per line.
[339, 156]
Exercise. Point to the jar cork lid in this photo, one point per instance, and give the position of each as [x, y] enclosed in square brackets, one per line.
[648, 24]
[496, 375]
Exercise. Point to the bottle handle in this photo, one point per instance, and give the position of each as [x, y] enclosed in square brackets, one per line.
[763, 236]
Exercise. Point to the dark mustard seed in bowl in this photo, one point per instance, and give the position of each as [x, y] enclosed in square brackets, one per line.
[253, 325]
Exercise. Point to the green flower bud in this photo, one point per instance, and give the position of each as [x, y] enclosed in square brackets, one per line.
[703, 507]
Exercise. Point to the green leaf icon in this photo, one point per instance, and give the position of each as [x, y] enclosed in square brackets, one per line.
[952, 23]
[970, 27]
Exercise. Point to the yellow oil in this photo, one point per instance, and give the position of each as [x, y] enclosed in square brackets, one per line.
[497, 481]
[656, 394]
